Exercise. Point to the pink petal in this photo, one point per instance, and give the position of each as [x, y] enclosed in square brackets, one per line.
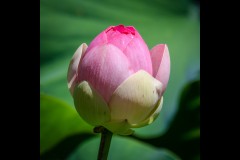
[127, 39]
[73, 67]
[130, 42]
[138, 54]
[161, 63]
[119, 37]
[105, 67]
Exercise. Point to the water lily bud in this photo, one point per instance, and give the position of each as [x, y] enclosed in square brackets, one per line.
[116, 82]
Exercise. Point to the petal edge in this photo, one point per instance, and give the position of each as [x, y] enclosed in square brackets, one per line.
[161, 63]
[73, 67]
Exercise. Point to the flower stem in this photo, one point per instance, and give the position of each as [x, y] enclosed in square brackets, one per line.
[106, 137]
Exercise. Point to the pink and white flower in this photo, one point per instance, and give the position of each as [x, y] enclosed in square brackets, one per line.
[116, 82]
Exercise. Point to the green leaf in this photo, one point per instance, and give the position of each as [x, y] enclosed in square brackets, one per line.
[66, 24]
[122, 148]
[58, 121]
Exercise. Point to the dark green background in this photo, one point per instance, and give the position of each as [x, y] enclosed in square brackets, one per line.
[65, 24]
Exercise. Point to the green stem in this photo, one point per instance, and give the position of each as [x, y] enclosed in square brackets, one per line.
[106, 137]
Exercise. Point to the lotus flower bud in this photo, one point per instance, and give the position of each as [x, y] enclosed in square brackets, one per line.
[116, 82]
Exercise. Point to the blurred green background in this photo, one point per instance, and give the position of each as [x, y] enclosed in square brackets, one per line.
[65, 24]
